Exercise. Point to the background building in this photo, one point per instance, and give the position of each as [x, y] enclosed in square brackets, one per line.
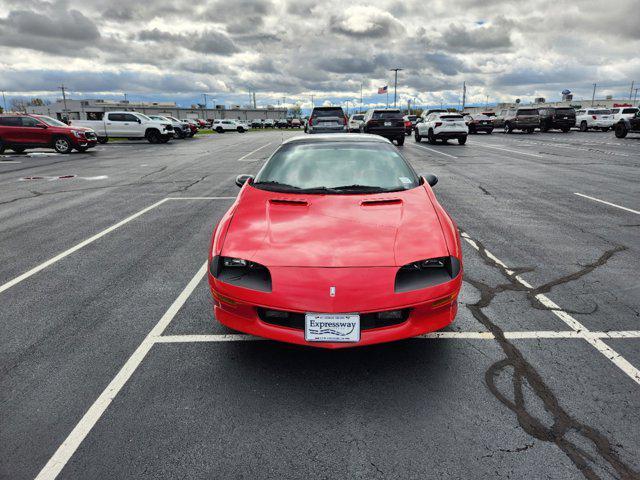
[78, 110]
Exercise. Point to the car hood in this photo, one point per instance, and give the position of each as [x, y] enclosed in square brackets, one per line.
[281, 229]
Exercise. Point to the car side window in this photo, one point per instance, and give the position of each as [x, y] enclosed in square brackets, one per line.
[10, 121]
[29, 122]
[116, 117]
[127, 117]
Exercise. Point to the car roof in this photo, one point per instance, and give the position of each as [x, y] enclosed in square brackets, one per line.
[337, 137]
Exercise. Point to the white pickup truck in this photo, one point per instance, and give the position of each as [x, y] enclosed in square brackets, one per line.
[131, 125]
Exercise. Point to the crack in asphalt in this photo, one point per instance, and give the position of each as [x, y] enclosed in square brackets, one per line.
[564, 430]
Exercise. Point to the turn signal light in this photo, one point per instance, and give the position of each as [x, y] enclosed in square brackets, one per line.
[444, 301]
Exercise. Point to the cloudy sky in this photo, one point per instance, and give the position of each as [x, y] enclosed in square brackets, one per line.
[177, 50]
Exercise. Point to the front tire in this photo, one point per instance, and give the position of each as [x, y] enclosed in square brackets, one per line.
[220, 130]
[2, 147]
[489, 132]
[62, 145]
[82, 149]
[400, 141]
[153, 136]
[103, 140]
[583, 126]
[18, 149]
[531, 130]
[241, 130]
[620, 131]
[565, 130]
[431, 137]
[508, 128]
[462, 140]
[417, 137]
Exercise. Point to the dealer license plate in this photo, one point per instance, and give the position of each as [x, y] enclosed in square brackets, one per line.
[332, 327]
[387, 124]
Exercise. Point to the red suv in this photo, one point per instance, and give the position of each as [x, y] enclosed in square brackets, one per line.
[19, 132]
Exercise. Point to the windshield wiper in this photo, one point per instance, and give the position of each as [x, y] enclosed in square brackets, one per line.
[272, 183]
[361, 188]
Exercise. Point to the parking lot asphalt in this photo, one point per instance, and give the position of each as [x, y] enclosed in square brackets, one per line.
[112, 365]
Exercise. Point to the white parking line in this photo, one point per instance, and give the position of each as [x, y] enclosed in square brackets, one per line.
[617, 359]
[543, 334]
[507, 150]
[607, 203]
[97, 236]
[65, 451]
[77, 247]
[434, 151]
[242, 159]
[2, 162]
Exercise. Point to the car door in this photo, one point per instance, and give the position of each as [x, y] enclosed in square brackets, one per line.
[115, 125]
[132, 125]
[35, 132]
[11, 128]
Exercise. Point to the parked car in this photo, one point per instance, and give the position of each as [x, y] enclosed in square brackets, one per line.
[623, 112]
[597, 118]
[525, 119]
[387, 123]
[269, 123]
[222, 126]
[557, 118]
[355, 121]
[296, 123]
[185, 127]
[442, 126]
[327, 120]
[628, 125]
[257, 123]
[200, 123]
[193, 126]
[180, 129]
[132, 125]
[409, 123]
[20, 132]
[279, 251]
[478, 122]
[282, 123]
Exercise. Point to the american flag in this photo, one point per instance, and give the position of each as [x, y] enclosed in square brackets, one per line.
[382, 90]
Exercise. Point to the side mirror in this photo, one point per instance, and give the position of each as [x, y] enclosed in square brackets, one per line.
[418, 120]
[139, 121]
[430, 179]
[243, 178]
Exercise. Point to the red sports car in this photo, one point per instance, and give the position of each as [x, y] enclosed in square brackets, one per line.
[336, 242]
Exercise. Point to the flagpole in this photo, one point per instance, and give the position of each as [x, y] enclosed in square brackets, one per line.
[387, 97]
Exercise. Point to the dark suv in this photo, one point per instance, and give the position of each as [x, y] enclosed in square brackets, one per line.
[19, 132]
[386, 123]
[558, 118]
[627, 125]
[327, 120]
[525, 119]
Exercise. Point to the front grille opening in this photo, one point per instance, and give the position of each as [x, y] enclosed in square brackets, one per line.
[368, 321]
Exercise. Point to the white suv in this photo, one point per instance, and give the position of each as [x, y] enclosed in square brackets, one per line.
[355, 121]
[441, 126]
[222, 126]
[597, 118]
[623, 112]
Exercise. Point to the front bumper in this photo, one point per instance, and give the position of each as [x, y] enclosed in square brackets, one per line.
[358, 290]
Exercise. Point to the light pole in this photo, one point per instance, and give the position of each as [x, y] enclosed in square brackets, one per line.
[593, 97]
[4, 100]
[395, 84]
[64, 99]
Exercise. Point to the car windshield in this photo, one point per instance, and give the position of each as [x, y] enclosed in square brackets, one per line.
[629, 110]
[450, 118]
[358, 117]
[565, 111]
[144, 117]
[527, 111]
[479, 117]
[386, 114]
[52, 122]
[337, 168]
